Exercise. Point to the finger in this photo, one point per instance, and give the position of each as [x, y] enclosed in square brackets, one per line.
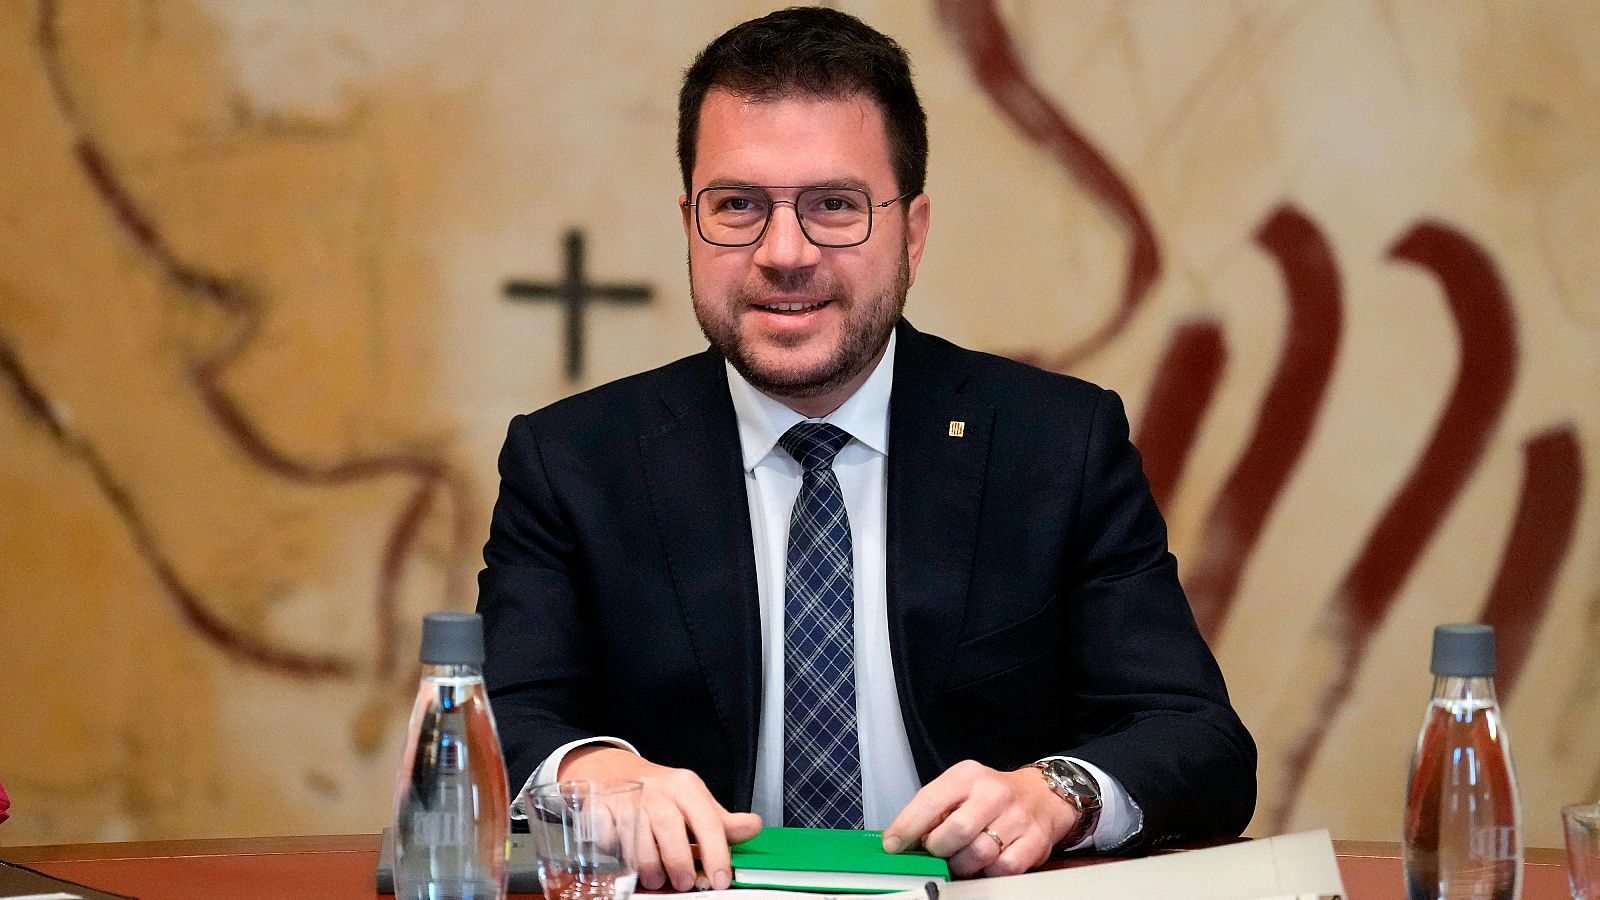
[990, 842]
[741, 827]
[1026, 839]
[664, 833]
[1025, 853]
[930, 805]
[702, 821]
[986, 800]
[993, 842]
[672, 843]
[975, 857]
[607, 814]
[646, 857]
[704, 817]
[736, 828]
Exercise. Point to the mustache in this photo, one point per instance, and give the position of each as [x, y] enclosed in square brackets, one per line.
[774, 284]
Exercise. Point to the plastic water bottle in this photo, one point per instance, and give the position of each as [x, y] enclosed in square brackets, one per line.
[1463, 826]
[452, 819]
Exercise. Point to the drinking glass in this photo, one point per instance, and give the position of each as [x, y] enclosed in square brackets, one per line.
[1582, 823]
[583, 833]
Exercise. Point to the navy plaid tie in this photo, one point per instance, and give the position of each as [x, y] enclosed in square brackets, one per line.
[821, 753]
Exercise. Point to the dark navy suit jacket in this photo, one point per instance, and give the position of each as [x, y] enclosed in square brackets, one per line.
[1033, 606]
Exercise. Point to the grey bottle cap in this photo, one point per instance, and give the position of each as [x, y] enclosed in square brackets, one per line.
[452, 639]
[1463, 651]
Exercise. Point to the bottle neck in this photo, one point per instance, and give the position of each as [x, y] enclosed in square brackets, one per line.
[454, 671]
[1477, 689]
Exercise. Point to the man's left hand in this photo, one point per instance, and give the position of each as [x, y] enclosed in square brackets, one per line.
[983, 820]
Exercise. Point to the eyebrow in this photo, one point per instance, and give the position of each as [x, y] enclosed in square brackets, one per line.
[856, 183]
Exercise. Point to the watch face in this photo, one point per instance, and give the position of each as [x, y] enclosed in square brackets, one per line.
[1074, 779]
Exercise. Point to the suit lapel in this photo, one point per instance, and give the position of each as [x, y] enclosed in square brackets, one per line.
[692, 462]
[935, 489]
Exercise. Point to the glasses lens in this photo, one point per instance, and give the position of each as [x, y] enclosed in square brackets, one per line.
[830, 217]
[732, 215]
[834, 217]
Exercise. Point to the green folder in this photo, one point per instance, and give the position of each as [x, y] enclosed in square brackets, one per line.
[831, 861]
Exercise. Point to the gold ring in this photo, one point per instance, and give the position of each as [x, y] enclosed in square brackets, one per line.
[997, 840]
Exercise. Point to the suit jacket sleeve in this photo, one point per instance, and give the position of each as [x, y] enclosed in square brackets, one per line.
[537, 660]
[1150, 704]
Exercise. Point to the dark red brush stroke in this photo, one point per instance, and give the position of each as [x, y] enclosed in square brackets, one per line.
[1487, 330]
[193, 610]
[432, 474]
[32, 400]
[1486, 324]
[1186, 381]
[1283, 425]
[1541, 535]
[987, 46]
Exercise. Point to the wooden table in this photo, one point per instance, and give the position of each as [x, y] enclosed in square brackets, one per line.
[340, 867]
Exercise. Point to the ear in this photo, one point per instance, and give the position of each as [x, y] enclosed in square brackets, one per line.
[688, 216]
[916, 232]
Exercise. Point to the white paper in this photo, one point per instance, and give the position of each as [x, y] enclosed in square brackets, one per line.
[1295, 865]
[770, 894]
[1290, 867]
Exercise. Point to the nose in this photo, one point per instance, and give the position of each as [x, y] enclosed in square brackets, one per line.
[785, 247]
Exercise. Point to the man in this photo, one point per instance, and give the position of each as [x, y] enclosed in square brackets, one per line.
[834, 570]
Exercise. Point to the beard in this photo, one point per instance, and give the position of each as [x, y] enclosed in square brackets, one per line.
[867, 324]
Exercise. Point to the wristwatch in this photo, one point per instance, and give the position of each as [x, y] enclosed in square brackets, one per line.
[1073, 783]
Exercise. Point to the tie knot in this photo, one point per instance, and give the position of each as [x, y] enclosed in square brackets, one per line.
[814, 444]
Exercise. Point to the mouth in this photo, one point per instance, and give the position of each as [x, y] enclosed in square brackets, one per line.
[793, 307]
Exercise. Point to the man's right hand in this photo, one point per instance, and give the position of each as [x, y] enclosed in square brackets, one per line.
[674, 804]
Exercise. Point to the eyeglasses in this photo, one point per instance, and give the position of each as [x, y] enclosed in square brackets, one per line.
[829, 216]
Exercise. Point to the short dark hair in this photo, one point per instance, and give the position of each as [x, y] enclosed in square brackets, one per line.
[818, 52]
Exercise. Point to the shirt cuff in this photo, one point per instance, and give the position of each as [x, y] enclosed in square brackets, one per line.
[1120, 817]
[547, 770]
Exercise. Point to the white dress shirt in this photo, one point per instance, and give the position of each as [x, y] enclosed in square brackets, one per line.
[772, 482]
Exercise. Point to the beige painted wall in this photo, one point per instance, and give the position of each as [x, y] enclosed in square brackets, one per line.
[257, 362]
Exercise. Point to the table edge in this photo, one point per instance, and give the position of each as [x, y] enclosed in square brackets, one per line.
[237, 846]
[369, 843]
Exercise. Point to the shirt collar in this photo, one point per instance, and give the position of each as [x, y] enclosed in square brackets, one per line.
[865, 416]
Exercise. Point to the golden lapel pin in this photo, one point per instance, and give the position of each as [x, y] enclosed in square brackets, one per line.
[958, 429]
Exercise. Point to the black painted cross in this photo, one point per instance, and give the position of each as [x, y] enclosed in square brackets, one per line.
[575, 292]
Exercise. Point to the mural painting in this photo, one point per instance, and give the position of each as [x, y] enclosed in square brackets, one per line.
[273, 284]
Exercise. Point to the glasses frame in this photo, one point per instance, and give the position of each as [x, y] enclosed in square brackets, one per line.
[773, 204]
